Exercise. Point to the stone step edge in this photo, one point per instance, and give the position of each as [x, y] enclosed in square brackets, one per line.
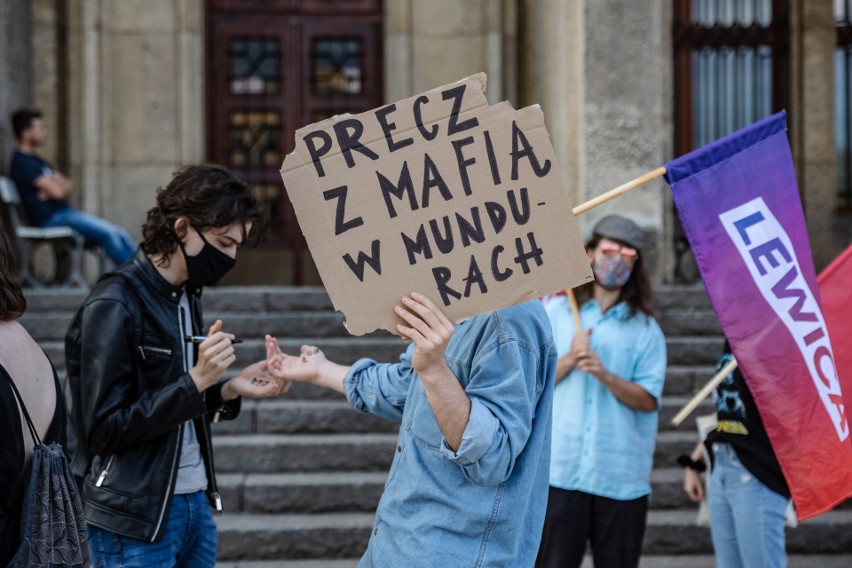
[224, 440]
[261, 438]
[332, 477]
[647, 561]
[284, 403]
[248, 522]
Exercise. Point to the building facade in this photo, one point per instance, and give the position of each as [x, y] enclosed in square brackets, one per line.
[133, 89]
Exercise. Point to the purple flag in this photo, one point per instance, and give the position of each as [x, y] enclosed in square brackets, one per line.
[741, 210]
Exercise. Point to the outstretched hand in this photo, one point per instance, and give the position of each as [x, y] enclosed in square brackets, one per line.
[304, 367]
[255, 382]
[428, 328]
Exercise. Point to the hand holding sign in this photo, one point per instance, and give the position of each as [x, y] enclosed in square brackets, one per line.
[428, 328]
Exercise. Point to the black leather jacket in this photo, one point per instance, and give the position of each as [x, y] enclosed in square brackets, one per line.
[131, 398]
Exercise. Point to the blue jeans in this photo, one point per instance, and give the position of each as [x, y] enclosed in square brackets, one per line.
[115, 240]
[746, 517]
[188, 542]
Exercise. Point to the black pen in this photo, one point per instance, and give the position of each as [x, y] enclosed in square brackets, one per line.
[200, 338]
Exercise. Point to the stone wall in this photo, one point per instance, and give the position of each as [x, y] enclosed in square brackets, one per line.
[122, 86]
[16, 54]
[135, 98]
[812, 126]
[602, 72]
[428, 44]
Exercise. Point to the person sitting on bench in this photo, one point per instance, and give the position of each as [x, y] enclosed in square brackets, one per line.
[44, 191]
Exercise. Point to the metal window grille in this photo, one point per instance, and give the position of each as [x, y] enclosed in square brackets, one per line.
[731, 61]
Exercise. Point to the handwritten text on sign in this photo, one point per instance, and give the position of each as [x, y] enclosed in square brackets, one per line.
[440, 193]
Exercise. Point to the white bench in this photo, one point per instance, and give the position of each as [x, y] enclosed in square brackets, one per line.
[66, 244]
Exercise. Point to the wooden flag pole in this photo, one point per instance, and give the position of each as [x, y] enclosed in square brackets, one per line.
[575, 311]
[621, 189]
[600, 200]
[704, 392]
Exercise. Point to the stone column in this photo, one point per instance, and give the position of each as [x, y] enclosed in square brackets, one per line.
[428, 44]
[812, 128]
[136, 86]
[551, 70]
[16, 54]
[602, 72]
[47, 78]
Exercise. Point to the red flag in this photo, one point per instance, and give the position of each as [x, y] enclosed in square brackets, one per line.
[835, 287]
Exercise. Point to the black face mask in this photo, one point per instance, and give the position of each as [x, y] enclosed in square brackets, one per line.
[208, 266]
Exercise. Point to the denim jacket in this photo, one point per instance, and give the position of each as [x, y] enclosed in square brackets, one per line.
[483, 505]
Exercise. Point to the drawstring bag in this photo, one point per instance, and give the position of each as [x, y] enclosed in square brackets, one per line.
[53, 530]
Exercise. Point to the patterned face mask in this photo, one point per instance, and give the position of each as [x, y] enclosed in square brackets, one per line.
[612, 272]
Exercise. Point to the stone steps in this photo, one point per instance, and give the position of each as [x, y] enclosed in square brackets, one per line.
[344, 350]
[689, 355]
[266, 453]
[648, 561]
[289, 415]
[341, 535]
[359, 491]
[295, 536]
[292, 415]
[312, 323]
[300, 492]
[301, 475]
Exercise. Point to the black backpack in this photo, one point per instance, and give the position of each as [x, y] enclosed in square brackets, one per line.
[53, 529]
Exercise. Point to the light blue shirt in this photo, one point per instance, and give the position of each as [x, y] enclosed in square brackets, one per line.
[600, 445]
[483, 505]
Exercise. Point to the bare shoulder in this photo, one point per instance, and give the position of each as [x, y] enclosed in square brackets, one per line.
[30, 368]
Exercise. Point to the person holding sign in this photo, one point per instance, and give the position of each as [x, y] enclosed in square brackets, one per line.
[609, 379]
[468, 483]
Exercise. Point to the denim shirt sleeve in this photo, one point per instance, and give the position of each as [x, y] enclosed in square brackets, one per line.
[379, 389]
[503, 391]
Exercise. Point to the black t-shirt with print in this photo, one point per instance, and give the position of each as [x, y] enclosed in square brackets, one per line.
[739, 425]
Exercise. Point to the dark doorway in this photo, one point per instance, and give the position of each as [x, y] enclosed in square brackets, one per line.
[274, 66]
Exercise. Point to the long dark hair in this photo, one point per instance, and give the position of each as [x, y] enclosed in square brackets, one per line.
[208, 196]
[637, 292]
[13, 304]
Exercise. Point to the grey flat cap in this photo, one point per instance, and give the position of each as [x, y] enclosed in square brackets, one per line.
[621, 229]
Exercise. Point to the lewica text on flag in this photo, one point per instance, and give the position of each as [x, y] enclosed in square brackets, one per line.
[771, 260]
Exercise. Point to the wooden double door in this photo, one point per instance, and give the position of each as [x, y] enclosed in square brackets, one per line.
[274, 66]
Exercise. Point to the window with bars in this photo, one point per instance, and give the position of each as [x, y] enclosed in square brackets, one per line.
[843, 102]
[731, 62]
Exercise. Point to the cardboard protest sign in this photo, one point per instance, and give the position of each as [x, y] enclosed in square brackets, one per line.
[440, 194]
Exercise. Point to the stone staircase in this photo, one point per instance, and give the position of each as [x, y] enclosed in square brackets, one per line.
[301, 475]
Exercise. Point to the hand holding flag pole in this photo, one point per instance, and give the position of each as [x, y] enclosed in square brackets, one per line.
[704, 392]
